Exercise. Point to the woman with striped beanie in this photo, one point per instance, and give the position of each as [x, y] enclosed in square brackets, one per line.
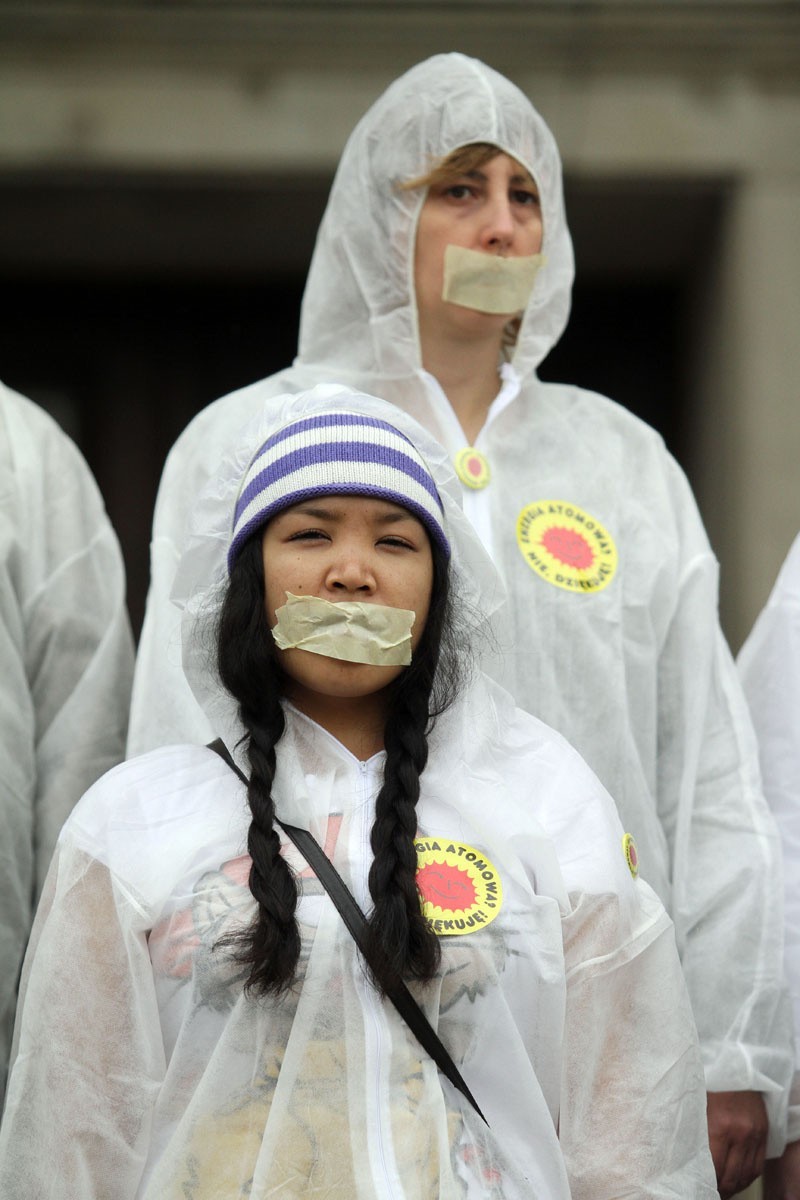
[206, 1013]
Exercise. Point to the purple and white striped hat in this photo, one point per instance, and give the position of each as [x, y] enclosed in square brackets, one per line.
[335, 453]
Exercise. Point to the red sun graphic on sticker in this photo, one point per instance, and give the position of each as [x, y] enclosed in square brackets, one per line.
[446, 886]
[472, 468]
[459, 888]
[568, 546]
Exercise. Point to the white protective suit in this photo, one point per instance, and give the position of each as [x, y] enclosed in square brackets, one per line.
[769, 665]
[66, 660]
[633, 668]
[563, 1002]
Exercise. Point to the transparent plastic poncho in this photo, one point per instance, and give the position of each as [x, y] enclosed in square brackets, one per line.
[143, 1070]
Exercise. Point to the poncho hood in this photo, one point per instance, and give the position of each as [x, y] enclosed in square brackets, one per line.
[359, 312]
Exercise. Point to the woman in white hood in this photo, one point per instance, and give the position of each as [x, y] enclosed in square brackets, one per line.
[611, 634]
[197, 1021]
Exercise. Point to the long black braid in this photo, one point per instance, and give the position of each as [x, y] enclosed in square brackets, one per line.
[249, 669]
[397, 927]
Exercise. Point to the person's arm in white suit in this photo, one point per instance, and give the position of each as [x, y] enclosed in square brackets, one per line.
[725, 854]
[769, 665]
[66, 654]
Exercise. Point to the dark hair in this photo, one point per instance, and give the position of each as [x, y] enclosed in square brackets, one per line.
[249, 669]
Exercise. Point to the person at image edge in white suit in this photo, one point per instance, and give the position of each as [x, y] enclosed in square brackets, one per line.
[612, 634]
[769, 666]
[66, 661]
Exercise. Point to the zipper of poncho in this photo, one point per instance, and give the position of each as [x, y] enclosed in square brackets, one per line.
[377, 1038]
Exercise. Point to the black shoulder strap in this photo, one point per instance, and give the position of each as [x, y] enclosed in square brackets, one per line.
[356, 924]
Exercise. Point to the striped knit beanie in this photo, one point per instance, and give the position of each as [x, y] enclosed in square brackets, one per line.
[333, 454]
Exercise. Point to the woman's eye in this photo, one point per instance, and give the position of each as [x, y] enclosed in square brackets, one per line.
[396, 541]
[458, 191]
[307, 535]
[527, 198]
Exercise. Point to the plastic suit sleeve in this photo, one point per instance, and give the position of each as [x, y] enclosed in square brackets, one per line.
[89, 1054]
[79, 662]
[17, 795]
[66, 659]
[631, 1067]
[726, 900]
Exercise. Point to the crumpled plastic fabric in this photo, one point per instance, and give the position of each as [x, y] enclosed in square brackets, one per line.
[66, 662]
[769, 666]
[637, 674]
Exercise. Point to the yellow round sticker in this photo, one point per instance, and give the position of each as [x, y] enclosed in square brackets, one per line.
[566, 546]
[631, 854]
[472, 468]
[460, 889]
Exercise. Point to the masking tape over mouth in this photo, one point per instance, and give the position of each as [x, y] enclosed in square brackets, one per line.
[351, 631]
[487, 282]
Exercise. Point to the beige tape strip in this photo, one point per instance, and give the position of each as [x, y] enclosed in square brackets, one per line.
[488, 282]
[351, 631]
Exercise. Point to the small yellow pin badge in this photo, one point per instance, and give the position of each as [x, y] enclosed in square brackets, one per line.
[631, 854]
[472, 468]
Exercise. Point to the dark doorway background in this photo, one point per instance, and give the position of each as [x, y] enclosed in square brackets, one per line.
[124, 366]
[131, 303]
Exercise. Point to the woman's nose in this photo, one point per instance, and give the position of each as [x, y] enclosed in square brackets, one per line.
[351, 574]
[497, 234]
